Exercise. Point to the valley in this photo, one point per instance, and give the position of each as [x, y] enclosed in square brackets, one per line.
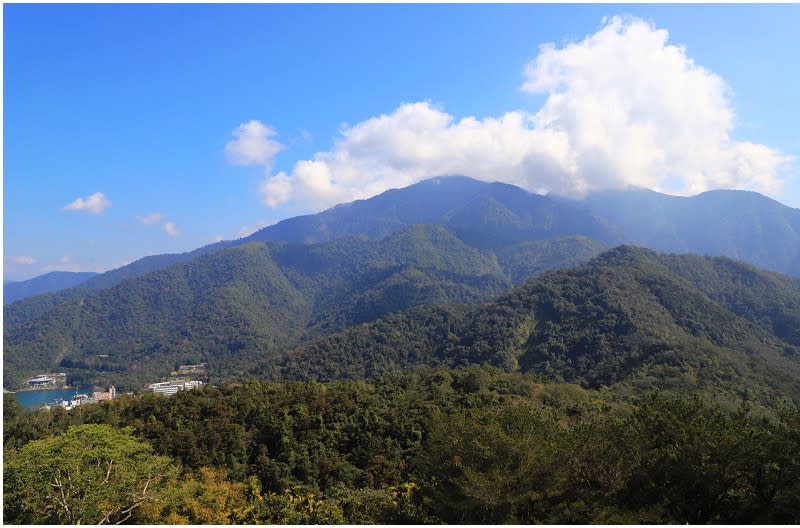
[364, 288]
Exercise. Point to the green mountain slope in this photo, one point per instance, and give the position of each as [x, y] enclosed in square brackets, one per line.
[765, 298]
[217, 306]
[503, 215]
[353, 280]
[528, 259]
[38, 302]
[246, 304]
[630, 316]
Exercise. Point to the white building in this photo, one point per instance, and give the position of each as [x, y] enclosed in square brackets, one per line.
[46, 380]
[40, 380]
[171, 387]
[77, 399]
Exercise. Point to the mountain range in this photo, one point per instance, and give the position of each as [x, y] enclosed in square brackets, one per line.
[452, 271]
[738, 224]
[490, 215]
[630, 318]
[47, 283]
[244, 304]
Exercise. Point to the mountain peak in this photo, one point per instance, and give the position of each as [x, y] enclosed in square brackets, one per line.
[486, 214]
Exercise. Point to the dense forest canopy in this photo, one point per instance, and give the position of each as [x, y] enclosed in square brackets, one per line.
[630, 317]
[474, 445]
[248, 304]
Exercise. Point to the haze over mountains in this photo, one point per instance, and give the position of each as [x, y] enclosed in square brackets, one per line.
[738, 224]
[49, 282]
[328, 295]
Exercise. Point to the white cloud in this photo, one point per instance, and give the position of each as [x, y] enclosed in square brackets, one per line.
[245, 231]
[417, 141]
[252, 145]
[94, 204]
[152, 218]
[66, 263]
[103, 269]
[638, 111]
[156, 218]
[276, 190]
[171, 230]
[11, 264]
[623, 107]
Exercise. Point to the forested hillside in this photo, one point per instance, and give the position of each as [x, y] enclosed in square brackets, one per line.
[474, 445]
[242, 306]
[482, 214]
[741, 225]
[630, 316]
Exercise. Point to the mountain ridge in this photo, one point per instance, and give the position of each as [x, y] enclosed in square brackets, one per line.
[630, 316]
[223, 302]
[450, 201]
[743, 225]
[47, 283]
[753, 228]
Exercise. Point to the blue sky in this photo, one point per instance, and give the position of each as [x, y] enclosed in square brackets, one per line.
[132, 130]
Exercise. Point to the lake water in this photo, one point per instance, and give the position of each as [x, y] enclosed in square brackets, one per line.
[34, 398]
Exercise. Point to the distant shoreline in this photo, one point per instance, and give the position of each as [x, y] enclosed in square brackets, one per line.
[48, 387]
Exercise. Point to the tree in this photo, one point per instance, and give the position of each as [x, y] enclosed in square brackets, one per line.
[89, 474]
[493, 466]
[205, 497]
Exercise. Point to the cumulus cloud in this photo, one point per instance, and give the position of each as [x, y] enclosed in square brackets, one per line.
[150, 219]
[25, 260]
[637, 110]
[171, 230]
[252, 145]
[94, 204]
[623, 107]
[417, 141]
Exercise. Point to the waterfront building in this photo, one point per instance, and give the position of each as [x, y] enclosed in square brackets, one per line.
[172, 387]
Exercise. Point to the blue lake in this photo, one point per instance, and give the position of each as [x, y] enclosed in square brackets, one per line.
[34, 398]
